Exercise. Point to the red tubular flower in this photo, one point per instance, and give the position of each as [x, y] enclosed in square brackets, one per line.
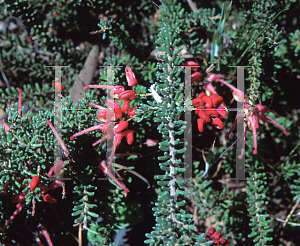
[123, 124]
[208, 114]
[101, 116]
[20, 101]
[129, 95]
[113, 174]
[118, 139]
[54, 185]
[222, 240]
[217, 123]
[131, 113]
[5, 126]
[20, 198]
[34, 182]
[112, 105]
[126, 106]
[115, 92]
[130, 76]
[57, 169]
[201, 123]
[252, 117]
[208, 101]
[129, 136]
[216, 235]
[197, 102]
[196, 76]
[192, 64]
[216, 100]
[211, 230]
[203, 115]
[58, 86]
[63, 146]
[222, 113]
[50, 199]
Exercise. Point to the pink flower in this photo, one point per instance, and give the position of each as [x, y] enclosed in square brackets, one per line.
[238, 95]
[5, 126]
[57, 169]
[108, 170]
[151, 142]
[252, 117]
[192, 64]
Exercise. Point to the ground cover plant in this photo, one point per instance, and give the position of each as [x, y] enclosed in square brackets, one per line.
[103, 102]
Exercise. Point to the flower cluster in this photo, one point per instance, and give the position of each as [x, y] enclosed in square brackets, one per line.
[253, 115]
[209, 110]
[215, 236]
[114, 120]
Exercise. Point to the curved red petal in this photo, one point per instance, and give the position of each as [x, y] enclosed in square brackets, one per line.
[123, 124]
[218, 123]
[128, 94]
[130, 76]
[196, 76]
[197, 102]
[202, 114]
[129, 136]
[208, 101]
[125, 106]
[201, 124]
[202, 94]
[34, 182]
[50, 199]
[217, 101]
[222, 113]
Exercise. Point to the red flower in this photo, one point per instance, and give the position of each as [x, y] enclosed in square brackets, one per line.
[50, 199]
[113, 174]
[129, 136]
[208, 114]
[215, 236]
[126, 106]
[5, 126]
[129, 95]
[34, 182]
[196, 76]
[192, 64]
[132, 113]
[20, 101]
[130, 76]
